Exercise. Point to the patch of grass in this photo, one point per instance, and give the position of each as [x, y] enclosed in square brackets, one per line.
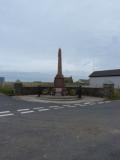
[116, 95]
[7, 90]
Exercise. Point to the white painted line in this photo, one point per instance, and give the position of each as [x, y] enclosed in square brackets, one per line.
[20, 110]
[71, 106]
[42, 110]
[83, 105]
[77, 104]
[58, 108]
[91, 104]
[107, 101]
[27, 112]
[87, 103]
[5, 115]
[66, 105]
[38, 108]
[101, 102]
[53, 106]
[4, 112]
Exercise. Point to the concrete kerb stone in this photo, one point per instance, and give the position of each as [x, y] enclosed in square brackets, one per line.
[84, 99]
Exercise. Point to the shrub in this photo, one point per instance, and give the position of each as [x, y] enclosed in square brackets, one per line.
[45, 92]
[7, 90]
[72, 92]
[116, 95]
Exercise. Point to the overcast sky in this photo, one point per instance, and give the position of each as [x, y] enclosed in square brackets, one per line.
[31, 31]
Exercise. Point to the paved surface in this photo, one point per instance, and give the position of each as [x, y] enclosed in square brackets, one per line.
[45, 99]
[39, 131]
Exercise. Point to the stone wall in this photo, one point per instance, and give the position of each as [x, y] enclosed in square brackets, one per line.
[19, 89]
[107, 91]
[96, 92]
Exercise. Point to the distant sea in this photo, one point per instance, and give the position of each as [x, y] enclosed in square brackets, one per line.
[37, 76]
[27, 76]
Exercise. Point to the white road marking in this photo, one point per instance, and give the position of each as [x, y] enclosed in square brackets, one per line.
[5, 115]
[67, 105]
[58, 108]
[83, 105]
[107, 101]
[87, 103]
[53, 106]
[27, 112]
[76, 104]
[38, 108]
[91, 104]
[42, 110]
[101, 102]
[4, 112]
[20, 110]
[71, 106]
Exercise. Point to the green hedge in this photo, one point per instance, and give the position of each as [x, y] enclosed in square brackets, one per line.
[71, 92]
[7, 90]
[116, 95]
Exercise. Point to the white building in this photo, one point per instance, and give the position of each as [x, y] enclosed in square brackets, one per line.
[99, 78]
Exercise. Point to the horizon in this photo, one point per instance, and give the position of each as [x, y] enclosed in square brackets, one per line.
[31, 33]
[33, 76]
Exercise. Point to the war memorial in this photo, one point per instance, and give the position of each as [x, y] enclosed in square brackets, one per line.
[59, 79]
[59, 90]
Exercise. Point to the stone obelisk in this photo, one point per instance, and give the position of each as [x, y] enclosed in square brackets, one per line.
[59, 79]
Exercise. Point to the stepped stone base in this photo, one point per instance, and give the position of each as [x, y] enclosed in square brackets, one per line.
[59, 98]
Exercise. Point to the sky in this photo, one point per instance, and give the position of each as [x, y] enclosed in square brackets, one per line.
[31, 31]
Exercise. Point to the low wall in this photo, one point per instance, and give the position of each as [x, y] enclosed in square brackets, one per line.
[96, 92]
[29, 90]
[107, 91]
[19, 89]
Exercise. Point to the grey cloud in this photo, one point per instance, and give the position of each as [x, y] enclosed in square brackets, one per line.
[86, 30]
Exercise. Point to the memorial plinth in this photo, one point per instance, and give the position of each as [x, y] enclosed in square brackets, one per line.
[59, 79]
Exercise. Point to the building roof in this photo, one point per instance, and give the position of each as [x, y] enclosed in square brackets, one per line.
[106, 73]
